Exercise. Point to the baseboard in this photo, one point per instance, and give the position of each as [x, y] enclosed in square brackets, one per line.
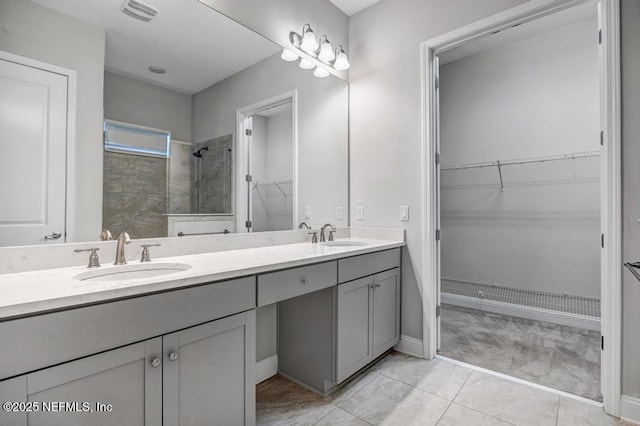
[266, 368]
[537, 314]
[630, 409]
[410, 346]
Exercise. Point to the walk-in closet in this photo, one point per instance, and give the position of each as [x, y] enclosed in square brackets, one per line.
[520, 202]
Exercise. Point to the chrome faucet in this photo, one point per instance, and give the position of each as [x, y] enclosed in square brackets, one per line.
[304, 224]
[322, 232]
[122, 240]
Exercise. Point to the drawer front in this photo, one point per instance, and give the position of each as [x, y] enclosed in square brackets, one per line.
[352, 268]
[282, 285]
[40, 341]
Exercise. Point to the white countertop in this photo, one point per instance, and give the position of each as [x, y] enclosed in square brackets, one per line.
[30, 293]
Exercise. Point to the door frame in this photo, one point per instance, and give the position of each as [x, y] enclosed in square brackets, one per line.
[610, 197]
[70, 198]
[242, 150]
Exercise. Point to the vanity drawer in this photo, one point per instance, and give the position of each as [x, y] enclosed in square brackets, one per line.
[44, 340]
[356, 267]
[283, 285]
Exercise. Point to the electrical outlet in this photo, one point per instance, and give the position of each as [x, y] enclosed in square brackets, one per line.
[404, 213]
[359, 213]
[339, 213]
[307, 212]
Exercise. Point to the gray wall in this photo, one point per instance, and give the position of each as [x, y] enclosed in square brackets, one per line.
[385, 119]
[537, 96]
[630, 16]
[322, 127]
[36, 32]
[137, 102]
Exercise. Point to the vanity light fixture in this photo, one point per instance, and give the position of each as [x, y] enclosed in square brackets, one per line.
[321, 72]
[315, 54]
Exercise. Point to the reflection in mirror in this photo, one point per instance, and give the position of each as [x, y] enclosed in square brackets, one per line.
[188, 71]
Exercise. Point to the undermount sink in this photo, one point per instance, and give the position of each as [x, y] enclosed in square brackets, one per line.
[346, 243]
[132, 272]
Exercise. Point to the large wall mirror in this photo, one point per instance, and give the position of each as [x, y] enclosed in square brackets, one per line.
[193, 103]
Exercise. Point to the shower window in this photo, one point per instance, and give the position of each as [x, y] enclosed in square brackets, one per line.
[129, 138]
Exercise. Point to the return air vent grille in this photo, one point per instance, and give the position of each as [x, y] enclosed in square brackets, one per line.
[138, 10]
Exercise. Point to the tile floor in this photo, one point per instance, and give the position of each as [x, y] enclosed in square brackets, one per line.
[403, 390]
[557, 356]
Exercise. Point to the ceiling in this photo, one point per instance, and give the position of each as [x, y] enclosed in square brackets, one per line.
[526, 30]
[195, 44]
[350, 7]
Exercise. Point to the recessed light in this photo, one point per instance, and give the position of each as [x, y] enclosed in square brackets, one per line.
[157, 70]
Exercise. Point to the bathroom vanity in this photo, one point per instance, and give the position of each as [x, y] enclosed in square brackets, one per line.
[179, 348]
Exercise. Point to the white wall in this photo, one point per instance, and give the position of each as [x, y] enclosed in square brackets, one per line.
[385, 119]
[145, 104]
[537, 96]
[630, 35]
[36, 32]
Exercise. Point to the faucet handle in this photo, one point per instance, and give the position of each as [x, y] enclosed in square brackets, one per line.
[314, 239]
[145, 252]
[331, 235]
[94, 262]
[105, 235]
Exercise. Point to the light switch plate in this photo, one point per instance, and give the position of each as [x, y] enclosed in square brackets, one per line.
[359, 213]
[307, 212]
[404, 213]
[339, 213]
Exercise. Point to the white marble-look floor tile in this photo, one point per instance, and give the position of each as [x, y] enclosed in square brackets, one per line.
[385, 401]
[352, 386]
[513, 402]
[458, 415]
[438, 377]
[572, 412]
[340, 417]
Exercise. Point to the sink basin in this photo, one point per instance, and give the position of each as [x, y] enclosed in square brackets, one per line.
[132, 272]
[346, 243]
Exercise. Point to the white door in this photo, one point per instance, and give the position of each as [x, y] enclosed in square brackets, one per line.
[33, 135]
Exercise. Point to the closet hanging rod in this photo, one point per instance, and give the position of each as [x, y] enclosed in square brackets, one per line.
[526, 160]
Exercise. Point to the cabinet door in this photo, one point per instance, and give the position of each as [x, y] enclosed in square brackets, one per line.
[118, 387]
[209, 373]
[386, 311]
[353, 327]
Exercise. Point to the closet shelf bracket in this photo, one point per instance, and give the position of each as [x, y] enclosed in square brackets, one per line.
[500, 174]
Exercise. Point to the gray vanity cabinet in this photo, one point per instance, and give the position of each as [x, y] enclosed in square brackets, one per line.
[368, 321]
[125, 383]
[209, 373]
[197, 376]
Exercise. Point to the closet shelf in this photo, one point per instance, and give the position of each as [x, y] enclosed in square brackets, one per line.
[524, 160]
[277, 183]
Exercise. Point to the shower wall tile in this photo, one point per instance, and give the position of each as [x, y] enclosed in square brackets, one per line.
[180, 164]
[134, 197]
[212, 187]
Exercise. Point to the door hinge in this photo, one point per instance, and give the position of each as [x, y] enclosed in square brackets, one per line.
[602, 240]
[437, 83]
[599, 36]
[437, 158]
[248, 132]
[602, 342]
[437, 235]
[438, 311]
[248, 178]
[248, 224]
[602, 137]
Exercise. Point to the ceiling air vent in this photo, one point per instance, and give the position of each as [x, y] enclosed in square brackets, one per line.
[138, 10]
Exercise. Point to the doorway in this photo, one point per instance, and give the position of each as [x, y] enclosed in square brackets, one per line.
[460, 170]
[266, 195]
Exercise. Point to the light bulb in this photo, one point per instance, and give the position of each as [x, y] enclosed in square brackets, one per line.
[321, 72]
[341, 63]
[288, 55]
[306, 64]
[309, 43]
[326, 52]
